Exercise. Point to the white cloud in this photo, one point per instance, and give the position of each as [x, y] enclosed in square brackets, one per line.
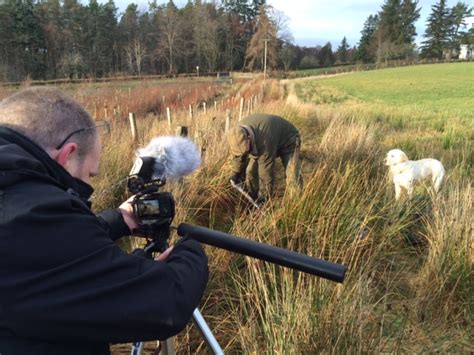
[331, 19]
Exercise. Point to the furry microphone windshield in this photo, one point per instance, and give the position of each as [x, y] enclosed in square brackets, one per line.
[174, 157]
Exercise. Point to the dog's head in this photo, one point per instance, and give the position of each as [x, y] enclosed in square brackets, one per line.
[394, 157]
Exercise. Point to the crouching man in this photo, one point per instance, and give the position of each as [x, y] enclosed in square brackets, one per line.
[255, 145]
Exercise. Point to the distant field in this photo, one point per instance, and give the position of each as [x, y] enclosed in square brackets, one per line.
[438, 89]
[426, 110]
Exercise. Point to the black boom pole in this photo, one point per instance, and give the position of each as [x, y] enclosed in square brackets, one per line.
[279, 256]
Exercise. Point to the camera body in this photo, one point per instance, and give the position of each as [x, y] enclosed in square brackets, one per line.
[153, 209]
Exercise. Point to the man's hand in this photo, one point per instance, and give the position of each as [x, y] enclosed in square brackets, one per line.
[236, 179]
[127, 213]
[163, 256]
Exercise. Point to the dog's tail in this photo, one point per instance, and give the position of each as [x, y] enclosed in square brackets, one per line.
[438, 177]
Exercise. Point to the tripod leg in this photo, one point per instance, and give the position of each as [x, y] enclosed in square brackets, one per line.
[206, 332]
[167, 347]
[137, 348]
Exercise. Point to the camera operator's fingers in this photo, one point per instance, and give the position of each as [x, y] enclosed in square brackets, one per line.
[126, 209]
[164, 255]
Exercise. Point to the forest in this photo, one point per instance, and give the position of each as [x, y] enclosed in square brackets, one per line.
[51, 39]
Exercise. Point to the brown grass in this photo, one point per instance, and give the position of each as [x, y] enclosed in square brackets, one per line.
[410, 264]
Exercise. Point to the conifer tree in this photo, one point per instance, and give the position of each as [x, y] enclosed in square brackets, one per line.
[326, 56]
[28, 39]
[365, 50]
[437, 31]
[265, 35]
[342, 53]
[457, 16]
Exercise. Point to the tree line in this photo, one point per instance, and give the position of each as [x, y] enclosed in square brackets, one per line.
[48, 39]
[390, 33]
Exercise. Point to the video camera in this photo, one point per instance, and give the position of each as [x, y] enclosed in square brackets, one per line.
[153, 209]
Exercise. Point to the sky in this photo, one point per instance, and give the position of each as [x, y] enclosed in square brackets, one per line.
[316, 22]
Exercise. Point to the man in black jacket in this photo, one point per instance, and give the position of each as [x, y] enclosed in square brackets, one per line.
[65, 286]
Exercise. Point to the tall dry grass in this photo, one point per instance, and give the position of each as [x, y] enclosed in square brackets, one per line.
[409, 263]
[444, 293]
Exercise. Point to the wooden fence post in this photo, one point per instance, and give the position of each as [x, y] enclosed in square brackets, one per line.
[133, 125]
[241, 109]
[227, 120]
[204, 107]
[168, 115]
[182, 131]
[191, 111]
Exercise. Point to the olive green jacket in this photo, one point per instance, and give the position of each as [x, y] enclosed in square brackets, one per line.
[274, 137]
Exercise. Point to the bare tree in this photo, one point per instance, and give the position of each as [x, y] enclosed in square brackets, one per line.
[287, 56]
[129, 57]
[206, 37]
[233, 30]
[281, 22]
[139, 52]
[170, 40]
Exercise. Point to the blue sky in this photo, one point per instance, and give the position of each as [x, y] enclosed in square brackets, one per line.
[315, 22]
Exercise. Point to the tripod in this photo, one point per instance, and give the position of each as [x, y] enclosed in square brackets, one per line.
[167, 348]
[300, 262]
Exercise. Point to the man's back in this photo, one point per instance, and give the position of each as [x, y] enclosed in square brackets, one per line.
[271, 131]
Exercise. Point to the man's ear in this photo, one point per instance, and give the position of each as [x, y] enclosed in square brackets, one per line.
[65, 153]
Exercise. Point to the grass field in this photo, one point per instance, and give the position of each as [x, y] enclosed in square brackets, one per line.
[409, 286]
[426, 110]
[433, 91]
[410, 263]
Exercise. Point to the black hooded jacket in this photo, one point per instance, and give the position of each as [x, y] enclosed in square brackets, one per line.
[65, 286]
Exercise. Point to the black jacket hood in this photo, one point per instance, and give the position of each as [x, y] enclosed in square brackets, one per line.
[21, 158]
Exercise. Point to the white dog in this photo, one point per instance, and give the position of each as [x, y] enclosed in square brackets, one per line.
[405, 173]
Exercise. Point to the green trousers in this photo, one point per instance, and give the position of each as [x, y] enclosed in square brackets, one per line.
[261, 174]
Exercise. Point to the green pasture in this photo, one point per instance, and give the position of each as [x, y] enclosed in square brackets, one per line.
[445, 90]
[426, 110]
